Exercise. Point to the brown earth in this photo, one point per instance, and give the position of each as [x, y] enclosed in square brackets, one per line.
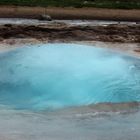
[65, 33]
[69, 13]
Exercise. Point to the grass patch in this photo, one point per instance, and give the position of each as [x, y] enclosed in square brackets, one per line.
[116, 4]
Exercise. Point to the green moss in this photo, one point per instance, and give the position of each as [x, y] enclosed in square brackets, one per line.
[120, 4]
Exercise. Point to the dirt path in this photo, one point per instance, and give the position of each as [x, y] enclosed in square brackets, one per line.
[70, 13]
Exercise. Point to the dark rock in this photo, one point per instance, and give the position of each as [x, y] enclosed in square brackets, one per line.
[8, 25]
[45, 17]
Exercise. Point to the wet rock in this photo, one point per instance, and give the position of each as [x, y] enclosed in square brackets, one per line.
[54, 31]
[45, 17]
[8, 25]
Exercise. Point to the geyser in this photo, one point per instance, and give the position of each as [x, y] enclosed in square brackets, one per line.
[51, 76]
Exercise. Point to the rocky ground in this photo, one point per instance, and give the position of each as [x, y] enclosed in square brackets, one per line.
[64, 33]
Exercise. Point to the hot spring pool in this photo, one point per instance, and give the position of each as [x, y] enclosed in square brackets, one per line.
[52, 76]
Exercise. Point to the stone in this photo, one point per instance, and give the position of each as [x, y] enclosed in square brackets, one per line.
[45, 17]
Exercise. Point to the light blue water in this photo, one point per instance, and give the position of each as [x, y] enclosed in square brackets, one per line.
[52, 76]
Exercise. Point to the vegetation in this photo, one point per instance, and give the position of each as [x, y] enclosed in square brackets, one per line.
[120, 4]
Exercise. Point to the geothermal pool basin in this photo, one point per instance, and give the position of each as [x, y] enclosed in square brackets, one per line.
[53, 76]
[48, 92]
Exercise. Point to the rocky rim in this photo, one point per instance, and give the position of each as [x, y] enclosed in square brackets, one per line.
[64, 33]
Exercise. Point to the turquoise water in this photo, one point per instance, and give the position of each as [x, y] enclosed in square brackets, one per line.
[52, 76]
